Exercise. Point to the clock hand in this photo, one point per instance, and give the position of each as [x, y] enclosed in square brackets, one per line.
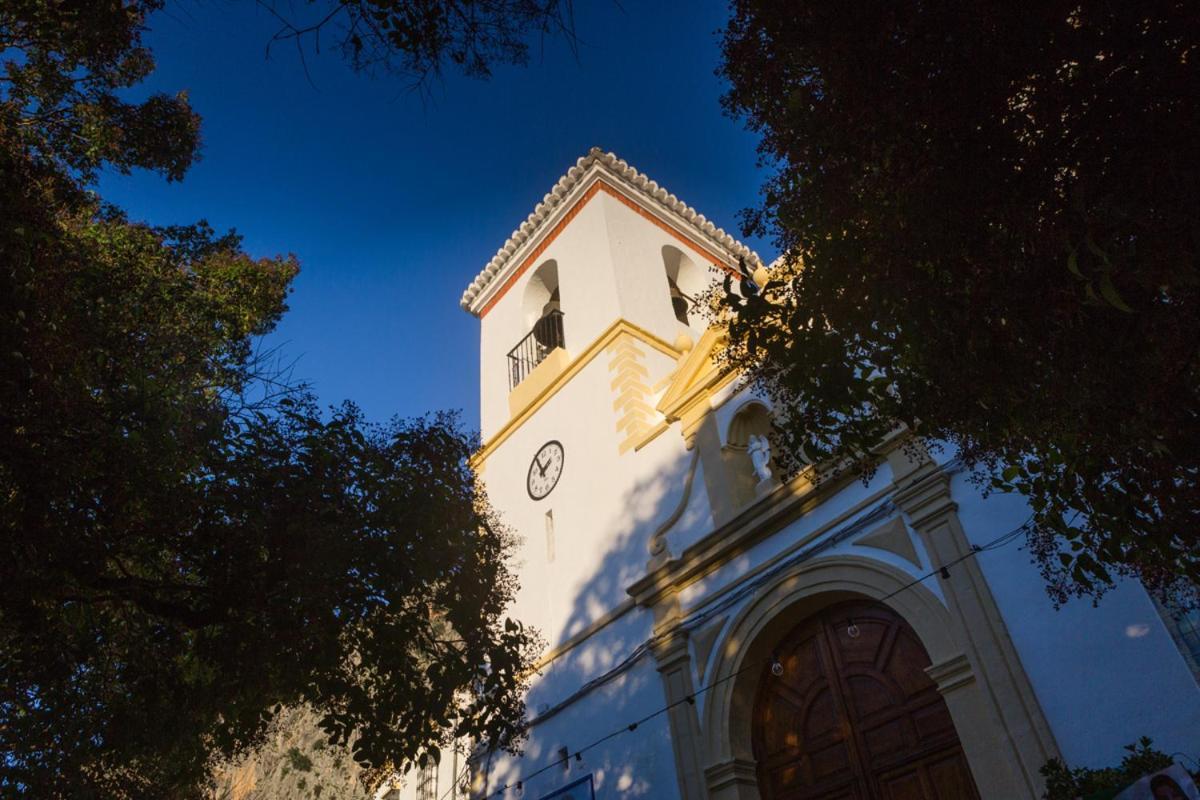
[541, 469]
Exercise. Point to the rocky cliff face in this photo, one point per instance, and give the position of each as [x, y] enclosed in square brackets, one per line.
[296, 763]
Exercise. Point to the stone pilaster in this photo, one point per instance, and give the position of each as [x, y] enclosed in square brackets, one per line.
[674, 663]
[717, 482]
[988, 683]
[732, 780]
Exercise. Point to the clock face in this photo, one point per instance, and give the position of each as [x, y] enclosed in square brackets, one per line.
[545, 470]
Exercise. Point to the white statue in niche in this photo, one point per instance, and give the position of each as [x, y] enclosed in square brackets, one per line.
[759, 448]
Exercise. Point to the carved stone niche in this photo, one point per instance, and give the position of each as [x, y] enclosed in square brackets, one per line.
[747, 456]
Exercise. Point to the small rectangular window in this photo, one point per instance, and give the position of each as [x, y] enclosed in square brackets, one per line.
[550, 537]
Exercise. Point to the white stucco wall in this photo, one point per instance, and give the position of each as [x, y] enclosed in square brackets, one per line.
[1105, 675]
[605, 506]
[824, 516]
[610, 266]
[633, 764]
[602, 505]
[636, 247]
[589, 304]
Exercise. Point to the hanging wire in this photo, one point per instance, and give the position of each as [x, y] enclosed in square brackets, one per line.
[696, 618]
[707, 610]
[632, 726]
[466, 770]
[943, 570]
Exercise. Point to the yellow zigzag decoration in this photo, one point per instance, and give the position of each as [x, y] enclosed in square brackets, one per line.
[634, 413]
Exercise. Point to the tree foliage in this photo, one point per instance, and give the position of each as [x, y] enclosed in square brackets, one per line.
[417, 37]
[65, 63]
[1067, 783]
[990, 224]
[187, 542]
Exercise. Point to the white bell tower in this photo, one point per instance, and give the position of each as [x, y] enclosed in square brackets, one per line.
[585, 313]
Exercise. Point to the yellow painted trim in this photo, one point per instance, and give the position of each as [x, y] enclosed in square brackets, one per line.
[542, 376]
[633, 404]
[652, 434]
[696, 376]
[725, 380]
[590, 352]
[697, 379]
[667, 380]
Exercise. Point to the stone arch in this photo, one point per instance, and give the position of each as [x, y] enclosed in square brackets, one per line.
[752, 416]
[752, 634]
[793, 596]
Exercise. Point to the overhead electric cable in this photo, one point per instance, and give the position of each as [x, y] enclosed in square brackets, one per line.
[995, 544]
[707, 611]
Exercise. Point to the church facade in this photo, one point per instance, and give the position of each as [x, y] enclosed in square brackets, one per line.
[716, 632]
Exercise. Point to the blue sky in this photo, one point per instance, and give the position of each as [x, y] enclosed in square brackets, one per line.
[393, 202]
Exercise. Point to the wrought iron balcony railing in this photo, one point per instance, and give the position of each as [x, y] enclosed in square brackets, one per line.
[546, 335]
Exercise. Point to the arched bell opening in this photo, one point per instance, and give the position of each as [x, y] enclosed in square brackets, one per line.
[685, 282]
[543, 332]
[541, 293]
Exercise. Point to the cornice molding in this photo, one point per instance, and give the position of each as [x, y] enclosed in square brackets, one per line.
[925, 495]
[758, 521]
[806, 491]
[953, 673]
[696, 375]
[735, 772]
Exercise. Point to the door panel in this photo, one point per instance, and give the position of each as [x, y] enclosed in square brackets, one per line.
[856, 716]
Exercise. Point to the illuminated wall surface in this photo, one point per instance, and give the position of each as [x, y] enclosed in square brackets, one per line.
[666, 569]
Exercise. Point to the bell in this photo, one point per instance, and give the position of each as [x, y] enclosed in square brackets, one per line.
[679, 303]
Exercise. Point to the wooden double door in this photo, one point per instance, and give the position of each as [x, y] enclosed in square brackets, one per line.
[854, 716]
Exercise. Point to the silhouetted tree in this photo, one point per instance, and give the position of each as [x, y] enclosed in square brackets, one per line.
[990, 221]
[416, 38]
[187, 543]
